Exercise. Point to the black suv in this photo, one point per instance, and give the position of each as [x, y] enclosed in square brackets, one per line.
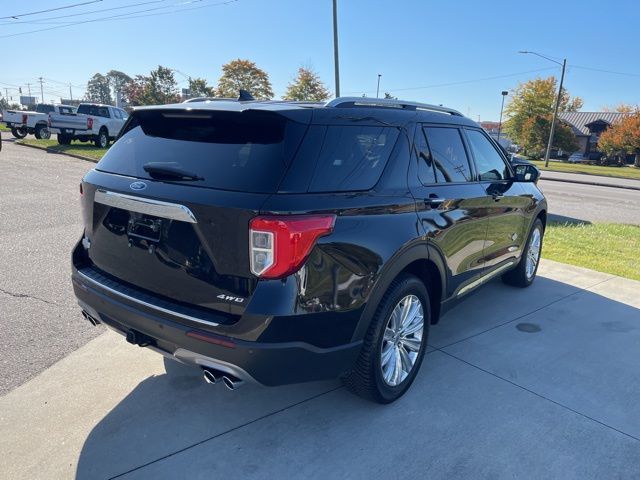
[282, 242]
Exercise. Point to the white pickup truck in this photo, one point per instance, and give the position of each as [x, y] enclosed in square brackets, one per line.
[91, 123]
[22, 122]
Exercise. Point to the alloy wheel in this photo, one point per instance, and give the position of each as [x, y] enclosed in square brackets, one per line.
[402, 340]
[533, 253]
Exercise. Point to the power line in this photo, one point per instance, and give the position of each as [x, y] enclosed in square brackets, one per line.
[129, 15]
[43, 21]
[462, 82]
[605, 71]
[51, 9]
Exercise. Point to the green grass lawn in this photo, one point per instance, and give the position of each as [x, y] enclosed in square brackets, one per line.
[77, 148]
[4, 128]
[622, 172]
[606, 247]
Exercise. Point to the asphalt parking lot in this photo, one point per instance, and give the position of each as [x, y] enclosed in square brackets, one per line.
[535, 383]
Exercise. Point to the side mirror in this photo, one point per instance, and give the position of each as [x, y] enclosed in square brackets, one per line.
[527, 173]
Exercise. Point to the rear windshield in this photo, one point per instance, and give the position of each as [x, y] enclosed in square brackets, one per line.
[240, 151]
[42, 108]
[94, 110]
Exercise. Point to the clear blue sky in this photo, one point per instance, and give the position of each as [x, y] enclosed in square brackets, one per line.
[412, 43]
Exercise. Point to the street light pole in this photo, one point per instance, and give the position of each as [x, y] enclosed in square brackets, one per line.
[555, 116]
[504, 94]
[335, 47]
[378, 89]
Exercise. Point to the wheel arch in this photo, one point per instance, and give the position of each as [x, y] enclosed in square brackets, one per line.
[419, 260]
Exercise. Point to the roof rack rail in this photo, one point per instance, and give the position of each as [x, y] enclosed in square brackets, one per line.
[388, 102]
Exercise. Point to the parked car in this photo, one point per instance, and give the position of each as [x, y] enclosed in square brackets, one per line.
[577, 157]
[276, 242]
[23, 122]
[91, 123]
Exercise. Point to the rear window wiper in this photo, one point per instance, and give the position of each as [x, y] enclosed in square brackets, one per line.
[169, 171]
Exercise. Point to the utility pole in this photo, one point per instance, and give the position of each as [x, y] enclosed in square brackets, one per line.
[70, 92]
[378, 89]
[555, 116]
[504, 94]
[29, 88]
[555, 110]
[335, 46]
[41, 89]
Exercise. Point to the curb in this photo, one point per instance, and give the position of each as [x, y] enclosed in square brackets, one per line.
[582, 182]
[48, 150]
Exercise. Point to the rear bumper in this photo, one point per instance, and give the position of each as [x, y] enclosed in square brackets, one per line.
[266, 363]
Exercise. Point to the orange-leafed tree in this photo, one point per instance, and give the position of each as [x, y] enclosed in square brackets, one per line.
[623, 137]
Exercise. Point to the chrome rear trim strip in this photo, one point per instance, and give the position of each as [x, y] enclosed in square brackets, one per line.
[172, 211]
[146, 304]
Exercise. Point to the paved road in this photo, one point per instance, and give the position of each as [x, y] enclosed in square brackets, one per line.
[599, 179]
[39, 223]
[592, 203]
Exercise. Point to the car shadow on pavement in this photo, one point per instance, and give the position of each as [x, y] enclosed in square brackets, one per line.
[533, 382]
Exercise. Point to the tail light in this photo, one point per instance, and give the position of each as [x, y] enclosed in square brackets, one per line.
[278, 246]
[89, 123]
[24, 118]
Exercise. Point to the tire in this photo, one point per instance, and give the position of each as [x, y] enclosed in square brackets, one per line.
[102, 140]
[19, 132]
[42, 132]
[369, 378]
[524, 273]
[64, 140]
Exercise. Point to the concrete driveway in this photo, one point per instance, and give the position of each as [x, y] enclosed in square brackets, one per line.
[535, 383]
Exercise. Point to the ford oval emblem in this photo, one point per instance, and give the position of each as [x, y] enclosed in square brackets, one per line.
[138, 186]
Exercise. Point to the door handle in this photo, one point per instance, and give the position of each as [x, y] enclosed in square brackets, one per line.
[434, 201]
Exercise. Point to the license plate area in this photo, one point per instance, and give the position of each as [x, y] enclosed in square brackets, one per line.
[142, 227]
[67, 130]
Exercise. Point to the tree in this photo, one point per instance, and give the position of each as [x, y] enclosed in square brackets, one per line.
[133, 91]
[161, 87]
[4, 104]
[535, 135]
[307, 86]
[244, 74]
[199, 88]
[535, 98]
[98, 90]
[621, 108]
[117, 81]
[388, 96]
[623, 137]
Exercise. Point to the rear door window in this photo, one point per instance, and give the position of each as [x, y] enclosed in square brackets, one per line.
[448, 155]
[349, 158]
[239, 151]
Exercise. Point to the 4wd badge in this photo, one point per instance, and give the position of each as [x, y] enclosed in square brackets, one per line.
[230, 298]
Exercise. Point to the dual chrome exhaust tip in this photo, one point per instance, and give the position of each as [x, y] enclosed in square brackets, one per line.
[213, 376]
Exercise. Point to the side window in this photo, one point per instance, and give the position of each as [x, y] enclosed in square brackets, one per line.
[426, 172]
[352, 157]
[103, 112]
[123, 114]
[448, 155]
[490, 164]
[116, 113]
